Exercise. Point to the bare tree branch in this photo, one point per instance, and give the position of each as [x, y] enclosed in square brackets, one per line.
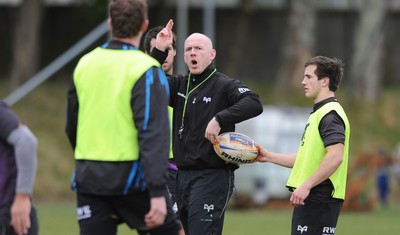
[26, 42]
[299, 44]
[365, 71]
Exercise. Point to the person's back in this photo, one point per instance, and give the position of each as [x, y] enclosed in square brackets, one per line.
[117, 124]
[105, 121]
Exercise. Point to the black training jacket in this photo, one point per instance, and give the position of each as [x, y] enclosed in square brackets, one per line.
[229, 100]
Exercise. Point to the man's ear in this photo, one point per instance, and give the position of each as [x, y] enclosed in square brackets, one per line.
[213, 54]
[145, 25]
[325, 81]
[110, 24]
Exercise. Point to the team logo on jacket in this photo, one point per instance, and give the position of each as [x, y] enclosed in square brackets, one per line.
[207, 99]
[243, 89]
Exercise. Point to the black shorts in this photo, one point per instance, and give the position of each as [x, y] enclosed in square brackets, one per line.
[202, 197]
[7, 229]
[316, 218]
[102, 214]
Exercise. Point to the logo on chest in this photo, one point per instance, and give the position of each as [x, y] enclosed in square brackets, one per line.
[206, 99]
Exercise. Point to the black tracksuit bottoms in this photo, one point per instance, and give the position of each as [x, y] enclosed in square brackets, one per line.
[202, 197]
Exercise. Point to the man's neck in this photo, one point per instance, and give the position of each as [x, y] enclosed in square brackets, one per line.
[324, 95]
[135, 41]
[169, 72]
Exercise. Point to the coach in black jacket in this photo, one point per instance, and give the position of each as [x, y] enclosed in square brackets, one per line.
[206, 103]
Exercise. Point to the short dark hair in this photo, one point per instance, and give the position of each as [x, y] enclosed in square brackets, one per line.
[332, 68]
[152, 33]
[127, 17]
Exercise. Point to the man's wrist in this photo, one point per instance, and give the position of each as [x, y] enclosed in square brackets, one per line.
[160, 56]
[218, 119]
[22, 196]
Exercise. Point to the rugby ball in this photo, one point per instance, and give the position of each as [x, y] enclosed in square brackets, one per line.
[236, 148]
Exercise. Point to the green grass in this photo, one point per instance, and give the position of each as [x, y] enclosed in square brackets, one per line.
[60, 219]
[43, 111]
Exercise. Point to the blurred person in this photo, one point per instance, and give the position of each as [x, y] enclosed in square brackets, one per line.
[318, 178]
[396, 163]
[150, 42]
[18, 164]
[206, 103]
[383, 177]
[168, 67]
[383, 185]
[117, 124]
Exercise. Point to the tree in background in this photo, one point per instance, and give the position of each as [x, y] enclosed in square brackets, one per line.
[366, 64]
[240, 36]
[26, 42]
[298, 46]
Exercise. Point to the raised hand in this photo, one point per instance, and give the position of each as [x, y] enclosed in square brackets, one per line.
[165, 36]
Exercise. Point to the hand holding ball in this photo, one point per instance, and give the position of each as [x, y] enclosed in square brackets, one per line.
[236, 148]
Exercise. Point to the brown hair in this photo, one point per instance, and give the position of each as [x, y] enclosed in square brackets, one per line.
[332, 68]
[127, 17]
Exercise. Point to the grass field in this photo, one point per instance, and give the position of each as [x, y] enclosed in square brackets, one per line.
[43, 111]
[59, 218]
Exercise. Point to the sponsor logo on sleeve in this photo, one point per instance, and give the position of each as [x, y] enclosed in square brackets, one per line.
[243, 89]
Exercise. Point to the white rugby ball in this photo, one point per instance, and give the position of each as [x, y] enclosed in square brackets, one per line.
[236, 148]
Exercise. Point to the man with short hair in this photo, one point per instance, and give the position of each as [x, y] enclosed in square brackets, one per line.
[206, 103]
[117, 124]
[318, 178]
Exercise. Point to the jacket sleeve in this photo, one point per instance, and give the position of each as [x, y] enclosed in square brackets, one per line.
[72, 114]
[13, 132]
[25, 151]
[245, 105]
[174, 82]
[149, 104]
[159, 55]
[8, 121]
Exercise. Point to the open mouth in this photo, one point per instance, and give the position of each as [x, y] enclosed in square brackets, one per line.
[194, 62]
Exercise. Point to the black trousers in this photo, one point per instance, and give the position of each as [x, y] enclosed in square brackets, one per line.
[202, 197]
[171, 184]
